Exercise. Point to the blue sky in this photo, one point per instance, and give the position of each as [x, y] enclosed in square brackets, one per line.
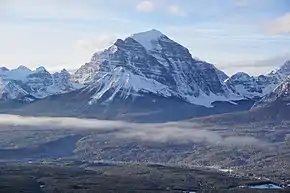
[235, 35]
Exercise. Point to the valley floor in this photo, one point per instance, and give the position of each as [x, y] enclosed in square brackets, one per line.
[81, 177]
[256, 151]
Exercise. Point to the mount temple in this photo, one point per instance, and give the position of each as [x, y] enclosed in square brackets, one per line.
[150, 62]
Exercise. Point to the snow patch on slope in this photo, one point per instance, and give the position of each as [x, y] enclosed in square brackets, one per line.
[122, 81]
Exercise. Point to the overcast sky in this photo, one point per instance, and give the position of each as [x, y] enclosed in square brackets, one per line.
[235, 35]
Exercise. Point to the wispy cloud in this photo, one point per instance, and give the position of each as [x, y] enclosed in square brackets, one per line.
[145, 6]
[97, 44]
[280, 25]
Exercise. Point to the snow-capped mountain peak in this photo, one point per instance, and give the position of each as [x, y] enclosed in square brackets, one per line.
[23, 69]
[64, 71]
[239, 77]
[156, 61]
[11, 90]
[284, 69]
[4, 69]
[19, 73]
[40, 69]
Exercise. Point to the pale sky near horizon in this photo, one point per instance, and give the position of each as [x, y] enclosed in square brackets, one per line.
[235, 35]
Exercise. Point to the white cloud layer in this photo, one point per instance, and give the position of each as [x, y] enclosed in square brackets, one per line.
[177, 132]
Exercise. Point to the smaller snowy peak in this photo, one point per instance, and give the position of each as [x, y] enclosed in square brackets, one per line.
[283, 90]
[246, 85]
[284, 69]
[62, 76]
[4, 69]
[281, 93]
[240, 76]
[19, 73]
[64, 71]
[10, 90]
[23, 68]
[40, 69]
[148, 39]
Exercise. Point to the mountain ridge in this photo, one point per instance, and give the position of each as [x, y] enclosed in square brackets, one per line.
[39, 83]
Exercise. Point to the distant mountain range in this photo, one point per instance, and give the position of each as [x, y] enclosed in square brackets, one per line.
[146, 73]
[19, 83]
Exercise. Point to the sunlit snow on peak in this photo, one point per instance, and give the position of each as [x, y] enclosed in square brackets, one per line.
[147, 39]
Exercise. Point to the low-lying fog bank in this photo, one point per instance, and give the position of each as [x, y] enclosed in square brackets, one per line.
[177, 132]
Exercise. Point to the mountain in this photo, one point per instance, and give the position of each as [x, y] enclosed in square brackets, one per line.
[11, 90]
[284, 70]
[257, 87]
[252, 87]
[22, 82]
[280, 94]
[150, 62]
